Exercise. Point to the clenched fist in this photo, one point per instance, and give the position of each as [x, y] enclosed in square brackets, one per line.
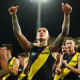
[66, 8]
[13, 10]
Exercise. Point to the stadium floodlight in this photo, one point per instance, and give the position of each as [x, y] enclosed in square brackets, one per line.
[42, 1]
[39, 2]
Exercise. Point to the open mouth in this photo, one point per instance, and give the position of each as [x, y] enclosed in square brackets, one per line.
[64, 51]
[69, 47]
[41, 35]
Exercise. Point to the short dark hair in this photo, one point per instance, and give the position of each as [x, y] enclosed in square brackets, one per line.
[22, 54]
[69, 38]
[41, 27]
[8, 46]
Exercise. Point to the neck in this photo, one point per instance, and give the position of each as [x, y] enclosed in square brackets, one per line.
[71, 52]
[42, 43]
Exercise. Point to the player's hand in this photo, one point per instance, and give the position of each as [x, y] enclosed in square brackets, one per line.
[58, 70]
[66, 8]
[13, 10]
[65, 63]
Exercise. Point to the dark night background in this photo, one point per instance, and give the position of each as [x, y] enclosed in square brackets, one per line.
[51, 18]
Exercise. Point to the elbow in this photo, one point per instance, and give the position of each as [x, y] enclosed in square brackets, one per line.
[17, 33]
[65, 33]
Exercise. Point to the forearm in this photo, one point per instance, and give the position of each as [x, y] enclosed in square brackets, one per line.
[75, 70]
[54, 67]
[66, 24]
[65, 30]
[13, 72]
[16, 26]
[60, 65]
[26, 68]
[25, 44]
[3, 73]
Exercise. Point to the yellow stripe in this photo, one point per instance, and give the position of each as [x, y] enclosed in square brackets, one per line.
[10, 66]
[66, 71]
[39, 62]
[22, 75]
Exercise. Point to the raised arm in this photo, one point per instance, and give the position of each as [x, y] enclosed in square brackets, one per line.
[3, 64]
[25, 44]
[55, 46]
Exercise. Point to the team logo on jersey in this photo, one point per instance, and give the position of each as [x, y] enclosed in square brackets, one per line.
[33, 53]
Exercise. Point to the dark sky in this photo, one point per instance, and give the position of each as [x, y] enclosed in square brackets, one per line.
[51, 18]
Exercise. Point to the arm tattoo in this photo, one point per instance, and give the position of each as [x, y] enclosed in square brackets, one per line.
[25, 44]
[65, 26]
[16, 26]
[2, 73]
[60, 39]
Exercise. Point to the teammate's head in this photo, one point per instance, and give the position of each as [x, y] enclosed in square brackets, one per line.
[22, 56]
[64, 48]
[70, 44]
[7, 48]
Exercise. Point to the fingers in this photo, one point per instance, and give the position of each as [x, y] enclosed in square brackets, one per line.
[17, 7]
[64, 62]
[63, 5]
[58, 70]
[12, 8]
[66, 8]
[61, 58]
